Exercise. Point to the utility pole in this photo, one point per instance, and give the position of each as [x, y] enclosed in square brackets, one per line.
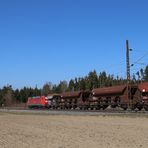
[128, 74]
[127, 62]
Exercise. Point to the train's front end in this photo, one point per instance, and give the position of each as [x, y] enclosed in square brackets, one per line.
[37, 102]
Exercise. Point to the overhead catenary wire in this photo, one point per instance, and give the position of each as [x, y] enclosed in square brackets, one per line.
[142, 64]
[139, 51]
[137, 62]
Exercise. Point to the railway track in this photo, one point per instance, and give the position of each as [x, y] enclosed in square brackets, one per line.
[106, 112]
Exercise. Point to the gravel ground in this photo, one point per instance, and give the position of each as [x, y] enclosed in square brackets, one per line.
[109, 112]
[69, 131]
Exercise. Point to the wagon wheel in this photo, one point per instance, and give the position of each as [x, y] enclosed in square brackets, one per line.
[83, 108]
[80, 108]
[104, 107]
[124, 106]
[91, 108]
[133, 107]
[113, 106]
[98, 107]
[146, 107]
[139, 108]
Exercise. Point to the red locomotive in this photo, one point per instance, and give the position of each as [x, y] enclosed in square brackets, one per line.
[37, 102]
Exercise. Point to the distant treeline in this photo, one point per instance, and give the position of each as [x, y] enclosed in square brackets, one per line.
[9, 96]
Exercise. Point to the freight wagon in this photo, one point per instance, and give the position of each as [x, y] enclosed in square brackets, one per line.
[143, 94]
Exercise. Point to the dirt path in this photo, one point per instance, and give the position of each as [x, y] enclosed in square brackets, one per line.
[44, 131]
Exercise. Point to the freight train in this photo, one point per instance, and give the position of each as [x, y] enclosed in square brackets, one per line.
[123, 96]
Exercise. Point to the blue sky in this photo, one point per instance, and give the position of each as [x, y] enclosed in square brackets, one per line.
[53, 40]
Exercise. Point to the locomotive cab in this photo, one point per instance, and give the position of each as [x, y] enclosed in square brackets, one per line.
[37, 102]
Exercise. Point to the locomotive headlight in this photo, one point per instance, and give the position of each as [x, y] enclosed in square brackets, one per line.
[143, 90]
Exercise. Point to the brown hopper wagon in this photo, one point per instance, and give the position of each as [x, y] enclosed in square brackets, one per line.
[77, 99]
[143, 94]
[118, 96]
[69, 99]
[114, 96]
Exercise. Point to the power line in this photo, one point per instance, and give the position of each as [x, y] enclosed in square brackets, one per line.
[114, 66]
[135, 50]
[142, 64]
[139, 59]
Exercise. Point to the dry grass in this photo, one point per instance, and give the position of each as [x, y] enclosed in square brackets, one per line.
[38, 131]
